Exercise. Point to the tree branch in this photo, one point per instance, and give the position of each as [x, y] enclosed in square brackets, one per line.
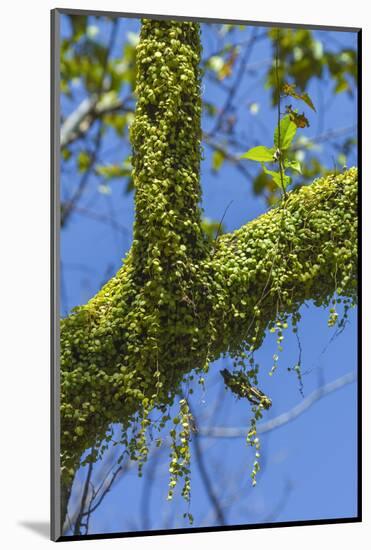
[284, 418]
[86, 113]
[305, 249]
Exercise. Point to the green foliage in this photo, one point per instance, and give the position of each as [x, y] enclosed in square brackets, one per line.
[179, 301]
[283, 136]
[153, 312]
[260, 154]
[303, 57]
[83, 161]
[180, 452]
[284, 133]
[217, 160]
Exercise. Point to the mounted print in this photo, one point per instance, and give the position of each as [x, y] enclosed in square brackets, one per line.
[205, 248]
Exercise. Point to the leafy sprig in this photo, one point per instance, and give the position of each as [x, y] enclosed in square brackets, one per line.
[283, 136]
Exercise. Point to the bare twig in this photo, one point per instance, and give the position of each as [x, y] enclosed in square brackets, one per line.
[234, 159]
[284, 418]
[233, 90]
[206, 479]
[83, 500]
[102, 218]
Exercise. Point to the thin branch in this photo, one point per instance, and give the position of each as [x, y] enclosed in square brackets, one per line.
[83, 500]
[103, 488]
[80, 121]
[234, 159]
[326, 136]
[241, 70]
[102, 218]
[70, 127]
[222, 219]
[120, 469]
[199, 455]
[284, 418]
[274, 513]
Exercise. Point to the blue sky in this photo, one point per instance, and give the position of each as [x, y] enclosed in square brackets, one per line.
[310, 468]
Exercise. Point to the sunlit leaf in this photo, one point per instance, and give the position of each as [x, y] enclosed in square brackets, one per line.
[108, 100]
[263, 183]
[283, 139]
[281, 181]
[341, 86]
[66, 153]
[226, 69]
[259, 154]
[212, 228]
[294, 165]
[217, 160]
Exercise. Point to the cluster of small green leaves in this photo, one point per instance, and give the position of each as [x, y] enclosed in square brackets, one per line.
[180, 452]
[253, 440]
[178, 302]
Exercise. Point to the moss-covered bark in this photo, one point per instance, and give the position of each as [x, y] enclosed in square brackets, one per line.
[179, 302]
